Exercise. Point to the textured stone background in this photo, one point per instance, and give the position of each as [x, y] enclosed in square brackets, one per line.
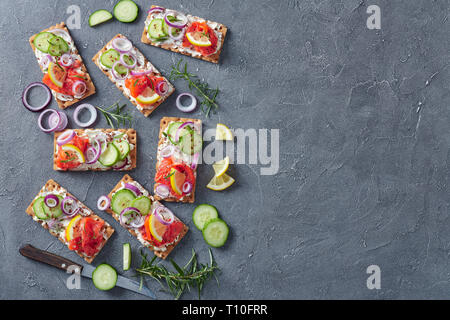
[364, 124]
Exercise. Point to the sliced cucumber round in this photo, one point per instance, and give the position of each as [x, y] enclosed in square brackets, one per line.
[109, 57]
[173, 127]
[41, 41]
[124, 148]
[126, 11]
[126, 256]
[99, 16]
[203, 214]
[38, 208]
[143, 204]
[191, 144]
[215, 232]
[122, 199]
[104, 277]
[58, 46]
[110, 156]
[54, 212]
[156, 30]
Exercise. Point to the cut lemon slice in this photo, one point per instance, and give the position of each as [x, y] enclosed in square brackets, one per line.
[157, 229]
[74, 152]
[198, 39]
[223, 132]
[220, 183]
[70, 227]
[177, 179]
[148, 97]
[220, 167]
[56, 74]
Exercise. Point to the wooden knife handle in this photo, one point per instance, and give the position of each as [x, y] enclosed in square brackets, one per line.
[49, 258]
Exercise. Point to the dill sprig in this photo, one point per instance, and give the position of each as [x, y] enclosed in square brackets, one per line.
[114, 113]
[193, 274]
[208, 94]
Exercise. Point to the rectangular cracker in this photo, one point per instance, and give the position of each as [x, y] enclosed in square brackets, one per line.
[163, 125]
[90, 88]
[214, 58]
[161, 254]
[132, 139]
[53, 185]
[145, 112]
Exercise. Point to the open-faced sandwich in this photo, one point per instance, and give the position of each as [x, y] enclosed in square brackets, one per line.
[70, 220]
[133, 74]
[154, 225]
[95, 150]
[179, 151]
[64, 71]
[185, 34]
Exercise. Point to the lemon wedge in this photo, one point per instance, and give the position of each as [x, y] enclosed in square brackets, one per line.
[223, 132]
[148, 97]
[220, 183]
[74, 151]
[220, 167]
[56, 74]
[177, 179]
[198, 39]
[157, 229]
[70, 226]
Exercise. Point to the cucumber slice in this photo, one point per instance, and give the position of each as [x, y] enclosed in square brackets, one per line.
[104, 277]
[54, 50]
[155, 30]
[191, 144]
[124, 148]
[165, 29]
[110, 156]
[126, 256]
[203, 214]
[58, 46]
[215, 232]
[126, 11]
[54, 212]
[38, 208]
[41, 41]
[99, 16]
[143, 204]
[122, 199]
[109, 57]
[172, 130]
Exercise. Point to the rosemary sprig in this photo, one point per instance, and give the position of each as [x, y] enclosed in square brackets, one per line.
[193, 274]
[202, 88]
[114, 113]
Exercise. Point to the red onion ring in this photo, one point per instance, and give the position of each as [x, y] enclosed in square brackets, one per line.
[52, 128]
[188, 108]
[133, 189]
[122, 45]
[61, 122]
[138, 220]
[51, 200]
[156, 9]
[121, 165]
[66, 60]
[38, 108]
[92, 154]
[164, 215]
[78, 84]
[180, 128]
[116, 75]
[187, 187]
[105, 200]
[162, 191]
[167, 151]
[91, 109]
[45, 61]
[141, 73]
[65, 137]
[74, 208]
[129, 66]
[195, 160]
[179, 36]
[178, 25]
[162, 88]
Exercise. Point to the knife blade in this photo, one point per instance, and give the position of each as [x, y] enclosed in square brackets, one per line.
[85, 269]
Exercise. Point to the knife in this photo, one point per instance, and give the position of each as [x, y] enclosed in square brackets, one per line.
[85, 270]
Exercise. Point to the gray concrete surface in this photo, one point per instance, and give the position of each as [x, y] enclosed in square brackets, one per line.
[364, 157]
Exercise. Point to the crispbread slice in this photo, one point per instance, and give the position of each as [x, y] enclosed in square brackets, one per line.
[161, 254]
[132, 139]
[90, 88]
[163, 125]
[52, 185]
[145, 112]
[214, 58]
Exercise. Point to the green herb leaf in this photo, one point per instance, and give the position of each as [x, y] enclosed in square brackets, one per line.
[117, 115]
